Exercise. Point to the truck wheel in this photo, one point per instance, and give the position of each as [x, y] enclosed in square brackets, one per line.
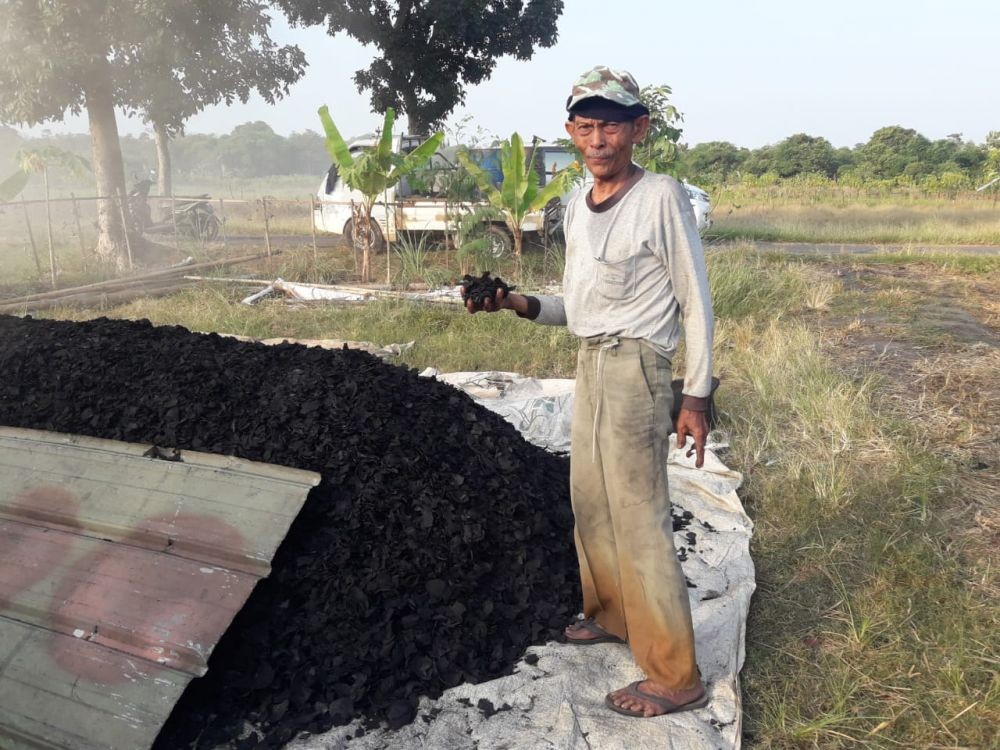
[501, 244]
[354, 237]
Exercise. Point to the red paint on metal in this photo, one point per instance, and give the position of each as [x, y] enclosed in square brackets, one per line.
[29, 561]
[140, 601]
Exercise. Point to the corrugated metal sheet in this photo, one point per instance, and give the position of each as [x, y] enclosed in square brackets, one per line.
[118, 575]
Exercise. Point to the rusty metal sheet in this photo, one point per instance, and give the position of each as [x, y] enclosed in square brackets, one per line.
[118, 575]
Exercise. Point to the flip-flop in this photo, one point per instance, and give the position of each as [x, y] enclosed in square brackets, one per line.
[603, 636]
[668, 706]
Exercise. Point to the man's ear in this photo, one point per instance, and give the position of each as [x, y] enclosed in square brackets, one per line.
[640, 126]
[569, 127]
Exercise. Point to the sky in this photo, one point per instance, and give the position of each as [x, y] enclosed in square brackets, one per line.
[751, 72]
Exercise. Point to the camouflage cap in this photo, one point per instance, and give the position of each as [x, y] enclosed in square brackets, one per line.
[616, 86]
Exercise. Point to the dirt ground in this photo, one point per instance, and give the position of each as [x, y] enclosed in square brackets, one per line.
[933, 338]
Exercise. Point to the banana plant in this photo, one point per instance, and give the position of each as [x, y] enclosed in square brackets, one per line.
[519, 194]
[374, 170]
[38, 161]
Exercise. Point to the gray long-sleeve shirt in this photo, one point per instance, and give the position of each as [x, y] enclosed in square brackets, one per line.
[633, 266]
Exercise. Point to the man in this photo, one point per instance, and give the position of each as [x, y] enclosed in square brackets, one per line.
[634, 265]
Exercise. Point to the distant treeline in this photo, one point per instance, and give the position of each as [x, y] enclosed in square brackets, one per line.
[251, 150]
[893, 154]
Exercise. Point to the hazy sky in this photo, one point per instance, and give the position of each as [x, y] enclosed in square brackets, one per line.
[745, 71]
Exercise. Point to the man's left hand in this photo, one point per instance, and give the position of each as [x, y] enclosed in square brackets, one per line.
[695, 424]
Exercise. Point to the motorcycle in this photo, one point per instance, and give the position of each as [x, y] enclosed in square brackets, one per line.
[192, 217]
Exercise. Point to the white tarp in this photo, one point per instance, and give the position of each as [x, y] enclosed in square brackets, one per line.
[558, 702]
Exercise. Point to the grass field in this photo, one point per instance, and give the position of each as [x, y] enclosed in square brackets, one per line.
[829, 214]
[861, 398]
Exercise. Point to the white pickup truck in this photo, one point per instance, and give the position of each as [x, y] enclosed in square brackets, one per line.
[416, 207]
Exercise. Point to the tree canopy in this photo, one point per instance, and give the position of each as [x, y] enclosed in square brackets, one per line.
[430, 50]
[163, 58]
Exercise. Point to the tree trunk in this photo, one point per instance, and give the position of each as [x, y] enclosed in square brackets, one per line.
[108, 167]
[518, 243]
[164, 180]
[415, 122]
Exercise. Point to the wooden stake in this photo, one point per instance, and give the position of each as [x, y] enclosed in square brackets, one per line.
[312, 223]
[48, 227]
[31, 236]
[79, 231]
[128, 243]
[222, 219]
[173, 216]
[267, 228]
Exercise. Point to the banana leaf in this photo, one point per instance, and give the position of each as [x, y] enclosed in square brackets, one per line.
[13, 185]
[336, 146]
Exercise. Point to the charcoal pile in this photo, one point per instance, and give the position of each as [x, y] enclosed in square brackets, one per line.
[436, 549]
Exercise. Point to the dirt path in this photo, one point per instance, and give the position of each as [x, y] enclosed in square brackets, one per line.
[812, 248]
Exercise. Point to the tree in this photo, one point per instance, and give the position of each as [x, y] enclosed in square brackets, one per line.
[519, 194]
[894, 151]
[373, 171]
[431, 49]
[804, 154]
[658, 150]
[59, 56]
[714, 161]
[210, 53]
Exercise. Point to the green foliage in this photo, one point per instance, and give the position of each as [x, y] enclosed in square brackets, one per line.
[803, 153]
[519, 194]
[377, 169]
[429, 52]
[892, 152]
[715, 161]
[374, 170]
[38, 160]
[659, 151]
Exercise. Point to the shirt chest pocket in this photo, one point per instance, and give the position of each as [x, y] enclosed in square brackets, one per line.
[616, 279]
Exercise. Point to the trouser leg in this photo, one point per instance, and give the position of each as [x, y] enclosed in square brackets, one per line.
[629, 392]
[594, 532]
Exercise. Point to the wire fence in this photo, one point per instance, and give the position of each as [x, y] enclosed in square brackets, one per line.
[42, 238]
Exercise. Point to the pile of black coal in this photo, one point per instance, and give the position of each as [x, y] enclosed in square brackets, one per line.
[436, 549]
[481, 288]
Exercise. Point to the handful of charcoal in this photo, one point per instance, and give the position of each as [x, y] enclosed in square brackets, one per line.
[479, 289]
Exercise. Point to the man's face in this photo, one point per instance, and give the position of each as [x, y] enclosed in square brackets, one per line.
[607, 146]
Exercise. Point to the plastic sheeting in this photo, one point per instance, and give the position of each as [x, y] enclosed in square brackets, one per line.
[557, 701]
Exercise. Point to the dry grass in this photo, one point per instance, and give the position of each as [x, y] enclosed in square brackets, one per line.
[941, 222]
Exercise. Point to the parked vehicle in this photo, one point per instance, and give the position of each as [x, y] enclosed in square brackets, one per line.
[190, 217]
[421, 204]
[702, 205]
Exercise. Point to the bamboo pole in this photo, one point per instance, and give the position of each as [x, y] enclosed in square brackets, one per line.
[112, 283]
[99, 298]
[312, 224]
[79, 231]
[173, 216]
[267, 229]
[48, 227]
[222, 219]
[31, 236]
[128, 242]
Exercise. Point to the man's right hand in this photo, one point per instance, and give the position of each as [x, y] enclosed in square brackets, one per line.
[502, 301]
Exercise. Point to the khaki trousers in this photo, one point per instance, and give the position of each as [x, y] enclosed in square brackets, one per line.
[632, 582]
